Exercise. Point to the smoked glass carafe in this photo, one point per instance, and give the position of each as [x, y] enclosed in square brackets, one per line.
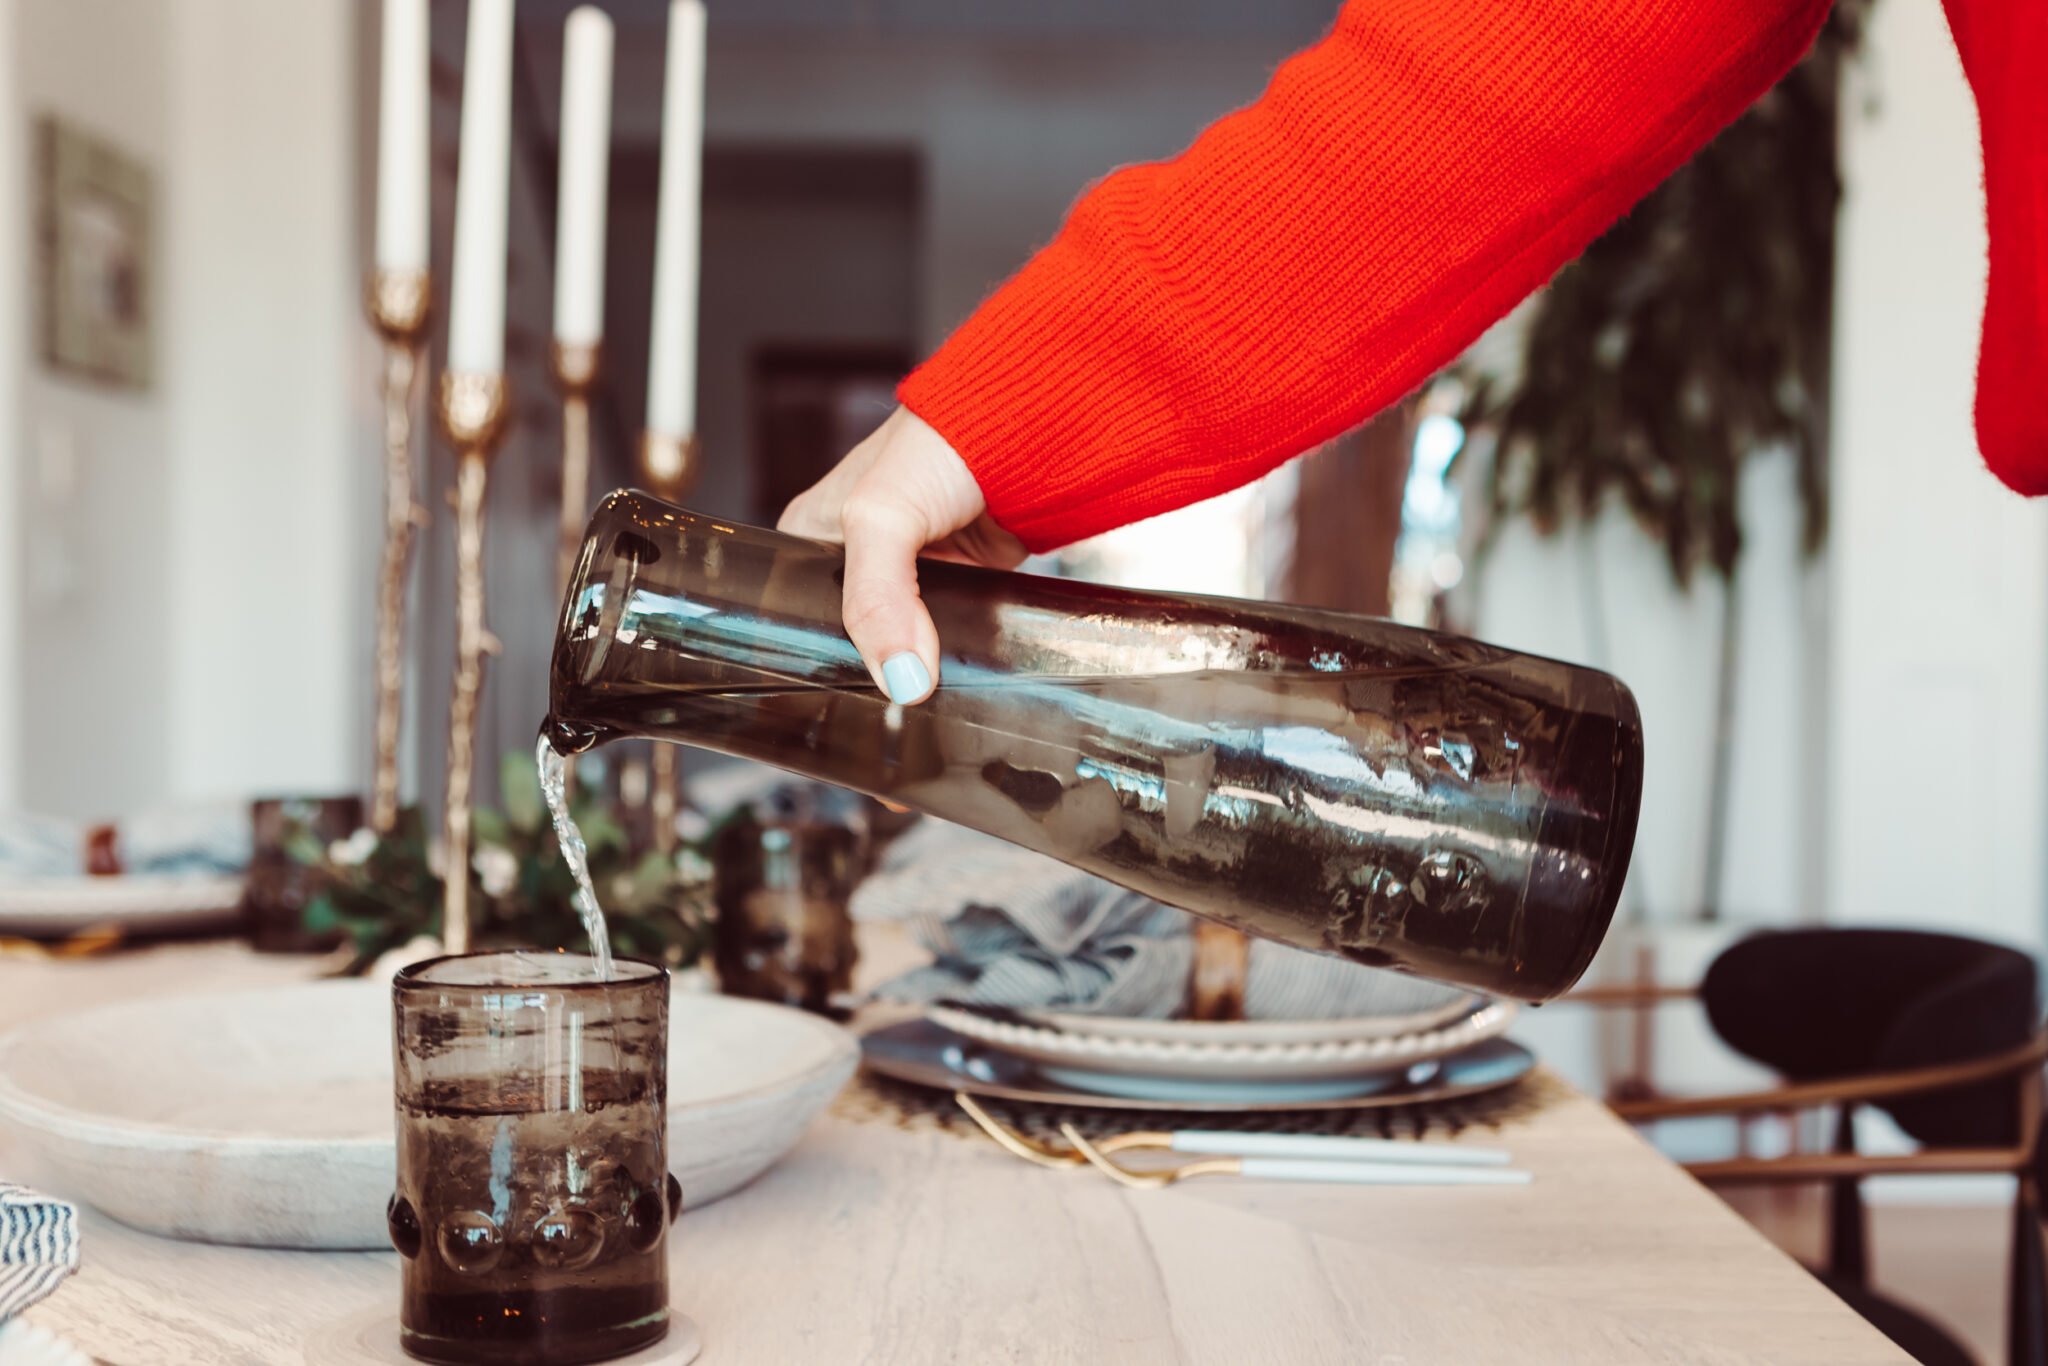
[1343, 784]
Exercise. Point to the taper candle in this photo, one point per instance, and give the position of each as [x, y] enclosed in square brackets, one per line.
[586, 162]
[672, 351]
[402, 139]
[476, 295]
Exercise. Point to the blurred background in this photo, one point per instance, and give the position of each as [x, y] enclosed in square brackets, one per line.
[1836, 622]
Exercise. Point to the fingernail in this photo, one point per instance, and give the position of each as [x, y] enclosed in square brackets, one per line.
[904, 677]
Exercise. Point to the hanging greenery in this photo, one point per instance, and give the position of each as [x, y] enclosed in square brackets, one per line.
[1691, 336]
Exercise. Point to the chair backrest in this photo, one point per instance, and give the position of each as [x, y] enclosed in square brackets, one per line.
[1815, 1003]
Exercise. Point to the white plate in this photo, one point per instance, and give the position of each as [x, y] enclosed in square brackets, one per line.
[1258, 1031]
[264, 1117]
[47, 907]
[1187, 1053]
[1207, 1091]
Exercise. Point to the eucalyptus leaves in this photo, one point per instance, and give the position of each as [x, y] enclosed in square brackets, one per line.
[384, 891]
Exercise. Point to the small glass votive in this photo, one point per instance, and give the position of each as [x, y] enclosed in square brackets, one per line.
[534, 1195]
[278, 887]
[782, 874]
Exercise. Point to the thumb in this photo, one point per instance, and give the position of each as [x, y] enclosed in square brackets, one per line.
[885, 617]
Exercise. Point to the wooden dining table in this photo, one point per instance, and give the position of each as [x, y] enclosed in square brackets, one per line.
[889, 1235]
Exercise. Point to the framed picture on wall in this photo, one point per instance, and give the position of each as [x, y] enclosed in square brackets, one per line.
[94, 219]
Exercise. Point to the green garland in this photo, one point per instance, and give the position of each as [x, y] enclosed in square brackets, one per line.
[383, 892]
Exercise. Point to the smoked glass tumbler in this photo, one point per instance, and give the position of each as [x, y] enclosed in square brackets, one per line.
[533, 1198]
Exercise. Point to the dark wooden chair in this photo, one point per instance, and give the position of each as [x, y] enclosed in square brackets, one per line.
[1941, 1032]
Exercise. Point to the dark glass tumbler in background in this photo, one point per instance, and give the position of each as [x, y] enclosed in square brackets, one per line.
[279, 887]
[533, 1196]
[783, 871]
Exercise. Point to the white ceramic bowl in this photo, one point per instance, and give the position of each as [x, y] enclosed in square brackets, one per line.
[26, 1344]
[264, 1117]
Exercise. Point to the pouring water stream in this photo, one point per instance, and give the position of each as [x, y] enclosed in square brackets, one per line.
[554, 787]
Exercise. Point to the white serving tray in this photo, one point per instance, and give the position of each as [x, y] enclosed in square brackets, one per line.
[264, 1117]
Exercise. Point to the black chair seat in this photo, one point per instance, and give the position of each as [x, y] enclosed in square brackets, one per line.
[1814, 1004]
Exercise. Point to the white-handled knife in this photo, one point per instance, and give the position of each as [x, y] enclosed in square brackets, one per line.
[1375, 1173]
[1326, 1147]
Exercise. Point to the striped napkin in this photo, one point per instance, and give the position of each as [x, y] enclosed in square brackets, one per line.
[1011, 928]
[38, 1246]
[195, 840]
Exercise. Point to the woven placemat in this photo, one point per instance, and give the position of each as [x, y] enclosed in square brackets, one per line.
[870, 1099]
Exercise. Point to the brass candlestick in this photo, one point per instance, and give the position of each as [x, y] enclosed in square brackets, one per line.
[669, 465]
[397, 301]
[473, 412]
[668, 468]
[576, 366]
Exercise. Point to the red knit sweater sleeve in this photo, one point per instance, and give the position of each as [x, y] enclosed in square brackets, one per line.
[1313, 257]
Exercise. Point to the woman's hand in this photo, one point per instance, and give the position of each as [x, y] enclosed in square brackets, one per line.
[900, 493]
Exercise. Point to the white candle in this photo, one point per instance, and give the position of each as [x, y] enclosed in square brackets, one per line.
[672, 351]
[586, 162]
[402, 139]
[476, 295]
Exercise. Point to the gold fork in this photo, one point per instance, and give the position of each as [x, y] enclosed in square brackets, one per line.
[1150, 1180]
[1043, 1154]
[1330, 1170]
[1283, 1157]
[1030, 1149]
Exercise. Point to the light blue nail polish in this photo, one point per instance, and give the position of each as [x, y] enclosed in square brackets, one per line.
[904, 677]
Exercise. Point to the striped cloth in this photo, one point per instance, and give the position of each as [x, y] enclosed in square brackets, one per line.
[38, 1246]
[196, 840]
[1008, 927]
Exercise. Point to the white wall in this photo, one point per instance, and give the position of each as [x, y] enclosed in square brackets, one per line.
[13, 335]
[179, 570]
[274, 470]
[95, 616]
[1938, 737]
[1539, 594]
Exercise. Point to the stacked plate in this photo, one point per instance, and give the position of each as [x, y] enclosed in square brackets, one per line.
[1454, 1048]
[49, 908]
